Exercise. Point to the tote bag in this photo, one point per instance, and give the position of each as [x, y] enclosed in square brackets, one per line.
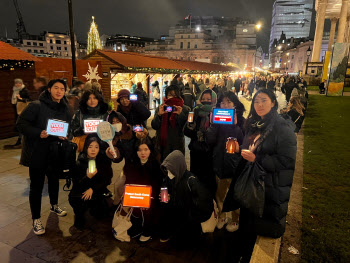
[121, 225]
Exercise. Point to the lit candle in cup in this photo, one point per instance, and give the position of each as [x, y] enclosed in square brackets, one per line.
[190, 117]
[231, 145]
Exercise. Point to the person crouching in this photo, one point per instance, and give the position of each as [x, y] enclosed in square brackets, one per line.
[89, 187]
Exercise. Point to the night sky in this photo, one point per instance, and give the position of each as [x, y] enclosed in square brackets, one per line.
[149, 18]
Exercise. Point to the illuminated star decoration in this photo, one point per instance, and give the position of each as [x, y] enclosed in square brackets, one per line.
[92, 73]
[94, 41]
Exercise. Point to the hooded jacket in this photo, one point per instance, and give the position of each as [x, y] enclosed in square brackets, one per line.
[85, 112]
[32, 121]
[187, 194]
[137, 115]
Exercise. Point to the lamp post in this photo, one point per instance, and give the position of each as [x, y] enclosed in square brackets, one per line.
[258, 27]
[308, 53]
[72, 39]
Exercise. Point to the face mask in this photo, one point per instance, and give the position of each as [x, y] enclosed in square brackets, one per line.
[206, 103]
[118, 127]
[170, 175]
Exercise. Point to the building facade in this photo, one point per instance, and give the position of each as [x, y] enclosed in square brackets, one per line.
[293, 17]
[48, 44]
[212, 40]
[126, 43]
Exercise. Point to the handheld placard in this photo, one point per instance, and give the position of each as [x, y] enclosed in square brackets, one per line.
[106, 133]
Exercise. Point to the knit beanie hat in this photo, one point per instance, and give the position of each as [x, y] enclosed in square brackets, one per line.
[123, 93]
[295, 93]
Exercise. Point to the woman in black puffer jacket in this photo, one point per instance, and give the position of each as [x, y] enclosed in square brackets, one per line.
[32, 123]
[272, 144]
[89, 188]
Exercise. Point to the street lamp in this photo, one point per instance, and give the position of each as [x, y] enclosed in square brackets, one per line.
[72, 39]
[258, 27]
[308, 53]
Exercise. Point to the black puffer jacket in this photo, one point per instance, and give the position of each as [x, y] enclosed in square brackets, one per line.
[98, 183]
[32, 121]
[277, 155]
[137, 115]
[216, 137]
[84, 113]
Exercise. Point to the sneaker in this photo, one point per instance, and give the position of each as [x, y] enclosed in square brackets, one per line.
[221, 223]
[38, 227]
[56, 209]
[232, 226]
[144, 238]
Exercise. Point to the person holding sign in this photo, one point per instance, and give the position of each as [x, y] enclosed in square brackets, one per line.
[91, 107]
[224, 163]
[169, 121]
[33, 124]
[201, 154]
[145, 170]
[93, 173]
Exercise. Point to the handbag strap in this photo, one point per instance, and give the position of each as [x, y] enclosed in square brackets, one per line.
[297, 119]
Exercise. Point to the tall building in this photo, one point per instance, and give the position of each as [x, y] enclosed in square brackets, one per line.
[210, 39]
[293, 17]
[128, 43]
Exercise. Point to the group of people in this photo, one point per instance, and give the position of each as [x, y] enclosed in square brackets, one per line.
[265, 138]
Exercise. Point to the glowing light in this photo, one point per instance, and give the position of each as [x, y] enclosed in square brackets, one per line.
[94, 41]
[258, 26]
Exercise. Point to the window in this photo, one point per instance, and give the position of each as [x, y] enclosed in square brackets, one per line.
[65, 48]
[189, 45]
[28, 43]
[35, 51]
[41, 44]
[181, 45]
[196, 36]
[51, 47]
[189, 58]
[51, 41]
[195, 45]
[189, 36]
[65, 42]
[35, 44]
[29, 50]
[58, 41]
[182, 36]
[42, 51]
[292, 56]
[58, 48]
[59, 53]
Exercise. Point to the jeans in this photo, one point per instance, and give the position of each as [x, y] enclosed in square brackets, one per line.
[37, 179]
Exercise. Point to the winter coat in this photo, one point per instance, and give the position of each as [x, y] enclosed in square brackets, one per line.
[24, 94]
[216, 137]
[230, 84]
[146, 174]
[251, 88]
[287, 89]
[98, 183]
[188, 196]
[142, 96]
[137, 115]
[296, 118]
[175, 137]
[201, 154]
[271, 85]
[84, 113]
[32, 121]
[277, 155]
[237, 85]
[188, 96]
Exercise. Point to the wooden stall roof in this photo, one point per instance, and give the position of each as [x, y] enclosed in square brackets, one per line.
[136, 62]
[8, 52]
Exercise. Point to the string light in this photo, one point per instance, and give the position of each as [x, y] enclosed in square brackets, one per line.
[13, 64]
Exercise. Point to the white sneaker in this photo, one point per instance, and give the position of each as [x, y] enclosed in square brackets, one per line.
[38, 227]
[232, 226]
[221, 223]
[56, 209]
[144, 238]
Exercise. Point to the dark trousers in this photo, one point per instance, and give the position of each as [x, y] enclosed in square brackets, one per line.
[80, 206]
[37, 179]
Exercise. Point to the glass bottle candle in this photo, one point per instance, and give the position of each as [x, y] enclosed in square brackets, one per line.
[92, 166]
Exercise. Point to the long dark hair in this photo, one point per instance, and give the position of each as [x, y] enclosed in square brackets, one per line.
[239, 107]
[253, 117]
[85, 98]
[174, 88]
[90, 139]
[149, 144]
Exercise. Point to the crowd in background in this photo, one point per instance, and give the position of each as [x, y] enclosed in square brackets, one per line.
[264, 142]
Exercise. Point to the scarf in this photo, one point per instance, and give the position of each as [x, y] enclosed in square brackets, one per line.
[203, 112]
[166, 119]
[125, 109]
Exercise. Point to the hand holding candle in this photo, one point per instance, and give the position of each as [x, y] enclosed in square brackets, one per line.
[190, 117]
[231, 145]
